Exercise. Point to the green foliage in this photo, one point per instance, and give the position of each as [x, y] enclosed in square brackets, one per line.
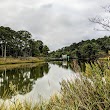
[86, 50]
[45, 50]
[19, 43]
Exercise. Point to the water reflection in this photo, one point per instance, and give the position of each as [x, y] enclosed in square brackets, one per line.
[63, 64]
[74, 65]
[36, 80]
[22, 78]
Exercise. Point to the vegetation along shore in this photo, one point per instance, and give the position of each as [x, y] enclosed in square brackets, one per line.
[21, 60]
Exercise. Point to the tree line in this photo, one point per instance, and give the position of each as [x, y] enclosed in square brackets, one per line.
[89, 49]
[20, 43]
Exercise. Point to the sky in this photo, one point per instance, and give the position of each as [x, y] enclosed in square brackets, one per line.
[57, 23]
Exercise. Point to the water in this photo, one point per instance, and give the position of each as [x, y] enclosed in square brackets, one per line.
[33, 81]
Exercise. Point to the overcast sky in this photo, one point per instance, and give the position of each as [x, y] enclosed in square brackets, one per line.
[57, 23]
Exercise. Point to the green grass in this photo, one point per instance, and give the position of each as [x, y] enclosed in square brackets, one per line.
[89, 92]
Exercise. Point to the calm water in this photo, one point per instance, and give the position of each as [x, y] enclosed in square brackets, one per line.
[32, 81]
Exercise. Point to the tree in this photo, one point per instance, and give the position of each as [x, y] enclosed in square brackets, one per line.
[45, 50]
[89, 49]
[103, 22]
[6, 37]
[35, 48]
[19, 43]
[40, 45]
[25, 37]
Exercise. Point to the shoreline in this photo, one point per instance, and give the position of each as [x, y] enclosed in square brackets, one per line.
[21, 60]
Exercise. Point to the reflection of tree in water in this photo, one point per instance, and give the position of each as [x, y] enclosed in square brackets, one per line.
[22, 78]
[63, 64]
[74, 65]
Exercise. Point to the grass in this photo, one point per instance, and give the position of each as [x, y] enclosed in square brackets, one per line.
[89, 92]
[106, 58]
[21, 60]
[22, 65]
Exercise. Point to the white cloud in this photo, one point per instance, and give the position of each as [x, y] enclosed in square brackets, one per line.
[56, 22]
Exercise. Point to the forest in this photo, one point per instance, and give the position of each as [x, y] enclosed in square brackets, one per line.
[20, 44]
[88, 49]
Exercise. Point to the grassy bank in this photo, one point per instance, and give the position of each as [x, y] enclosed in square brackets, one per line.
[22, 65]
[89, 92]
[20, 60]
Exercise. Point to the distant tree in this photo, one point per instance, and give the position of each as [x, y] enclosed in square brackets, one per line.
[35, 48]
[19, 43]
[45, 50]
[40, 45]
[25, 37]
[89, 49]
[6, 38]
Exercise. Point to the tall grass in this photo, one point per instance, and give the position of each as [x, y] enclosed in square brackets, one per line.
[10, 60]
[89, 92]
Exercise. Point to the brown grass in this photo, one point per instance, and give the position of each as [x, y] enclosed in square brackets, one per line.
[20, 60]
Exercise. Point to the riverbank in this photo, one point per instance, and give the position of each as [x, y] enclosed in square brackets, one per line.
[20, 60]
[22, 65]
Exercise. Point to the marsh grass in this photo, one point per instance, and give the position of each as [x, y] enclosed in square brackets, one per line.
[10, 60]
[89, 92]
[22, 65]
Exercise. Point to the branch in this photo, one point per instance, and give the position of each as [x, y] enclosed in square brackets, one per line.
[105, 23]
[106, 8]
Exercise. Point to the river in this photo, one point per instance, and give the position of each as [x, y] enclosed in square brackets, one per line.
[34, 82]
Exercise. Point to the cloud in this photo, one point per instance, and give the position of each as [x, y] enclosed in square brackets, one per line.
[56, 22]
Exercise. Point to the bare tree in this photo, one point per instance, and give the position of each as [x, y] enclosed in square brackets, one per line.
[103, 22]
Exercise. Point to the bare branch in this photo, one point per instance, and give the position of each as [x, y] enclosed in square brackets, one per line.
[100, 29]
[103, 22]
[106, 8]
